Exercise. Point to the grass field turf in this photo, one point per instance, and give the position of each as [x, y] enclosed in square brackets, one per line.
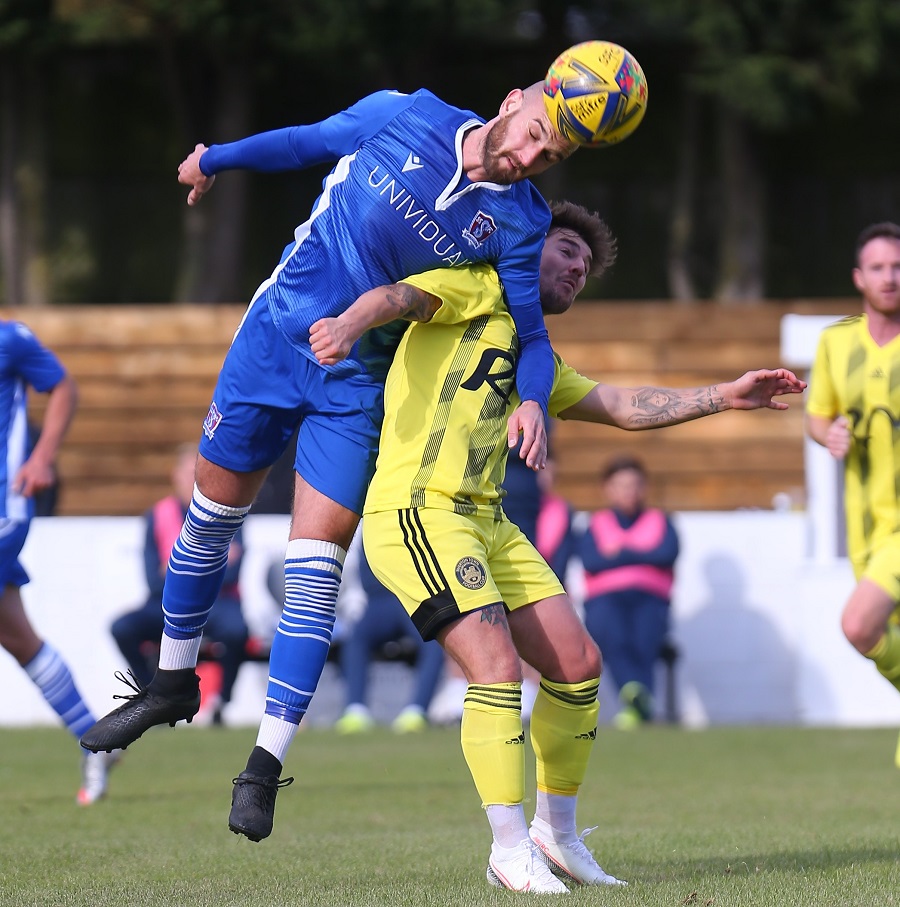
[728, 816]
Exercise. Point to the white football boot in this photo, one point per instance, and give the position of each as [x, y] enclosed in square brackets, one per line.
[522, 869]
[570, 860]
[94, 770]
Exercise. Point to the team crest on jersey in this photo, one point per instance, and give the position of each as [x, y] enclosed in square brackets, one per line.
[481, 229]
[471, 573]
[212, 420]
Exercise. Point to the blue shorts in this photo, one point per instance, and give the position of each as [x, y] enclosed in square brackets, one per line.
[12, 538]
[267, 388]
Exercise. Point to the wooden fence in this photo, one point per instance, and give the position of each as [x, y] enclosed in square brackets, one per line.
[146, 374]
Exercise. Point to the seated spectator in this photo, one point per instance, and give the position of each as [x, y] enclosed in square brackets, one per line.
[383, 620]
[628, 553]
[139, 631]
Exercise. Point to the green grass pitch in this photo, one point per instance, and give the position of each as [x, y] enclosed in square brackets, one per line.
[720, 818]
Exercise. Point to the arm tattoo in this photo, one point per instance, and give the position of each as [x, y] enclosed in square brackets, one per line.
[412, 303]
[654, 406]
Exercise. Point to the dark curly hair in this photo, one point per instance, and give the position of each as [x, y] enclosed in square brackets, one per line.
[591, 228]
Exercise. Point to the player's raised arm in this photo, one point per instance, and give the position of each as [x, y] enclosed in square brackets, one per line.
[331, 339]
[634, 409]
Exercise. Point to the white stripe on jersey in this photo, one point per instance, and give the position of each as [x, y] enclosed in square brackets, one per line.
[338, 175]
[16, 506]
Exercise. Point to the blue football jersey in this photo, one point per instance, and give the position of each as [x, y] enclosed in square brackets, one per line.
[24, 361]
[397, 203]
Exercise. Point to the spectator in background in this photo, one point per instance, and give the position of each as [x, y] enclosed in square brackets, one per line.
[384, 619]
[628, 552]
[522, 500]
[853, 410]
[543, 516]
[28, 469]
[554, 537]
[140, 629]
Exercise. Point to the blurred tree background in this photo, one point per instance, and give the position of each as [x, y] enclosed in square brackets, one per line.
[771, 136]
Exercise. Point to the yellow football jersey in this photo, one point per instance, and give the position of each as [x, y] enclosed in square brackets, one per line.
[854, 377]
[448, 396]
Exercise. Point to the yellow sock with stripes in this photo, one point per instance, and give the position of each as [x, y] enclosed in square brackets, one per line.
[493, 741]
[886, 655]
[563, 730]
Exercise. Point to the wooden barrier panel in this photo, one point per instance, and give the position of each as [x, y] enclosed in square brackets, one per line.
[146, 375]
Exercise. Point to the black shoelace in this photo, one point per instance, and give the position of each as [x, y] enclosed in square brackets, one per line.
[134, 683]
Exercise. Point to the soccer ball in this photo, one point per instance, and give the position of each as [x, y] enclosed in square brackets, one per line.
[595, 93]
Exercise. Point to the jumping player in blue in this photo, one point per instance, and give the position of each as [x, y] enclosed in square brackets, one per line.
[24, 363]
[418, 185]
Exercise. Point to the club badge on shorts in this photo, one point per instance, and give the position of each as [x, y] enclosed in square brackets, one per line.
[471, 573]
[212, 420]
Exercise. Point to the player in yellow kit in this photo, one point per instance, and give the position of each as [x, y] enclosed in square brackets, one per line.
[853, 410]
[436, 535]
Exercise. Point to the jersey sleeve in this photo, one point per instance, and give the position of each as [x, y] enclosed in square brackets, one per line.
[569, 387]
[520, 274]
[33, 361]
[298, 147]
[822, 398]
[344, 132]
[465, 293]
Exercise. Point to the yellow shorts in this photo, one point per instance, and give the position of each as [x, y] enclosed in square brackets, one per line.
[442, 564]
[882, 565]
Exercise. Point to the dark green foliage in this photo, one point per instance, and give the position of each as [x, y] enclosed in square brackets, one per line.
[119, 92]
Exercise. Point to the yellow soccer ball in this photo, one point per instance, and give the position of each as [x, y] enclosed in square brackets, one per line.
[595, 93]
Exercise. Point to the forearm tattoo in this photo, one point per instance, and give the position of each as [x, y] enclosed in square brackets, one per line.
[667, 406]
[412, 303]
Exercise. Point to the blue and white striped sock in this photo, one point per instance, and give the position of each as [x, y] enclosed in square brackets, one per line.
[51, 675]
[312, 578]
[194, 577]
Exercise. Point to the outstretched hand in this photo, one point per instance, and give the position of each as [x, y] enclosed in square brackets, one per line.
[528, 421]
[758, 389]
[190, 174]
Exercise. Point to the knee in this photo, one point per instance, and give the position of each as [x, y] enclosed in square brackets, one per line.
[862, 633]
[495, 667]
[581, 662]
[591, 659]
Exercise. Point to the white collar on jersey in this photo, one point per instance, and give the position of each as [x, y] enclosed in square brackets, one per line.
[452, 193]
